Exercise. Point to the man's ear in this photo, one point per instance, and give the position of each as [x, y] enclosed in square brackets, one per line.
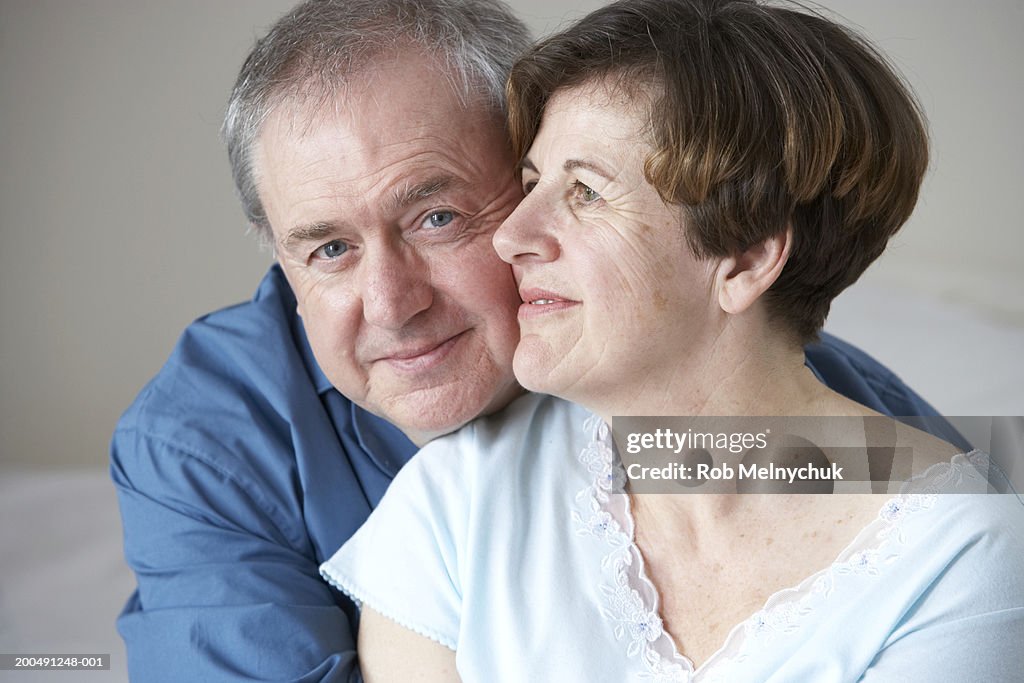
[742, 278]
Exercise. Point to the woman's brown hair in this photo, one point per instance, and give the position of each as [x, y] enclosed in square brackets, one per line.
[763, 117]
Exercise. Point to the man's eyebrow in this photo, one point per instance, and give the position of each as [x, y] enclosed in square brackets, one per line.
[314, 232]
[410, 194]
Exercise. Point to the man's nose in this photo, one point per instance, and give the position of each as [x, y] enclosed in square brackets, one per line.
[527, 234]
[396, 286]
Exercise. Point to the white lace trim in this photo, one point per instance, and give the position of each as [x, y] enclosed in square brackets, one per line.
[631, 601]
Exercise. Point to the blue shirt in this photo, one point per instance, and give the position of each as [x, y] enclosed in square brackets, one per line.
[240, 469]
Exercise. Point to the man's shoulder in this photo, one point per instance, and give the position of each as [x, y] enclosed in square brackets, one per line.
[241, 430]
[231, 371]
[857, 375]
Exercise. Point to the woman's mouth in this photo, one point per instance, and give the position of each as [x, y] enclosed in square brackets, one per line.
[537, 302]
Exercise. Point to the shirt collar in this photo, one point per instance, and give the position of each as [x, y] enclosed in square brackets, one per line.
[386, 445]
[276, 285]
[320, 381]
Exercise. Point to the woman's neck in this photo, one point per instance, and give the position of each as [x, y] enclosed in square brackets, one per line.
[731, 376]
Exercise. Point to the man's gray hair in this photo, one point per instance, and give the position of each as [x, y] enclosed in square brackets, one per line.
[319, 45]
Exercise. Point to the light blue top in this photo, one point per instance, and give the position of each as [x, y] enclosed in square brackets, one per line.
[506, 543]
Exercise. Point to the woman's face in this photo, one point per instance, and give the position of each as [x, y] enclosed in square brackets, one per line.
[615, 304]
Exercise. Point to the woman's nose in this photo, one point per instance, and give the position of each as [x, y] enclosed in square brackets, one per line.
[527, 235]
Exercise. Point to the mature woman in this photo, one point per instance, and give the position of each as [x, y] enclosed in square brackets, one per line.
[702, 178]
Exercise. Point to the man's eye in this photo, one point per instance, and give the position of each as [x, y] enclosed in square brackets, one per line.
[585, 194]
[331, 250]
[439, 219]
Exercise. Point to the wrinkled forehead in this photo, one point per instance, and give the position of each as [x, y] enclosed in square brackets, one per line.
[631, 102]
[399, 108]
[604, 104]
[405, 81]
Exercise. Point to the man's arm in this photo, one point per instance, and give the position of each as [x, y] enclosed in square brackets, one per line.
[228, 589]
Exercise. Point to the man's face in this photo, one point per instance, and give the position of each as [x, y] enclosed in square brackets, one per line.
[382, 205]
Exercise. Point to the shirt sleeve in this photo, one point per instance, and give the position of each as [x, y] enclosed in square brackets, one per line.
[982, 647]
[223, 595]
[969, 623]
[404, 561]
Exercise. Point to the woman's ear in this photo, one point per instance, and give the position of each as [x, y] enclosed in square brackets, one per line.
[745, 276]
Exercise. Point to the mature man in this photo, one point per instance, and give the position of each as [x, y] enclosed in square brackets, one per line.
[368, 146]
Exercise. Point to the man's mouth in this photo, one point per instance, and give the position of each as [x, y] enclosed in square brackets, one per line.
[420, 357]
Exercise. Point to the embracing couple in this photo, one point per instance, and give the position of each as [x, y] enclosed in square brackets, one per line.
[490, 249]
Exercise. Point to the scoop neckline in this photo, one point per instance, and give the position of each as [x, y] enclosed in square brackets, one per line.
[864, 546]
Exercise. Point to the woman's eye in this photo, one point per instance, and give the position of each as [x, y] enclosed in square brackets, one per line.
[331, 250]
[528, 186]
[586, 194]
[439, 219]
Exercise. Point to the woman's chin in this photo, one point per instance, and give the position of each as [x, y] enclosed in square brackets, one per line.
[535, 367]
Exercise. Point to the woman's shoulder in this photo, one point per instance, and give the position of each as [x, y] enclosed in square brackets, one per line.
[531, 416]
[453, 511]
[976, 522]
[533, 427]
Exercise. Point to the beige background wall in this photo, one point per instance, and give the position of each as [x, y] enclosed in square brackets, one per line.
[119, 222]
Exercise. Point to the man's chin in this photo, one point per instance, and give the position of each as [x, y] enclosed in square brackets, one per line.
[422, 429]
[428, 414]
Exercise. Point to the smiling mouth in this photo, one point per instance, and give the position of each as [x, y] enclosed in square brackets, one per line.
[536, 296]
[421, 359]
[539, 304]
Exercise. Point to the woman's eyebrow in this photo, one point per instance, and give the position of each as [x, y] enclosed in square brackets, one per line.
[570, 165]
[573, 164]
